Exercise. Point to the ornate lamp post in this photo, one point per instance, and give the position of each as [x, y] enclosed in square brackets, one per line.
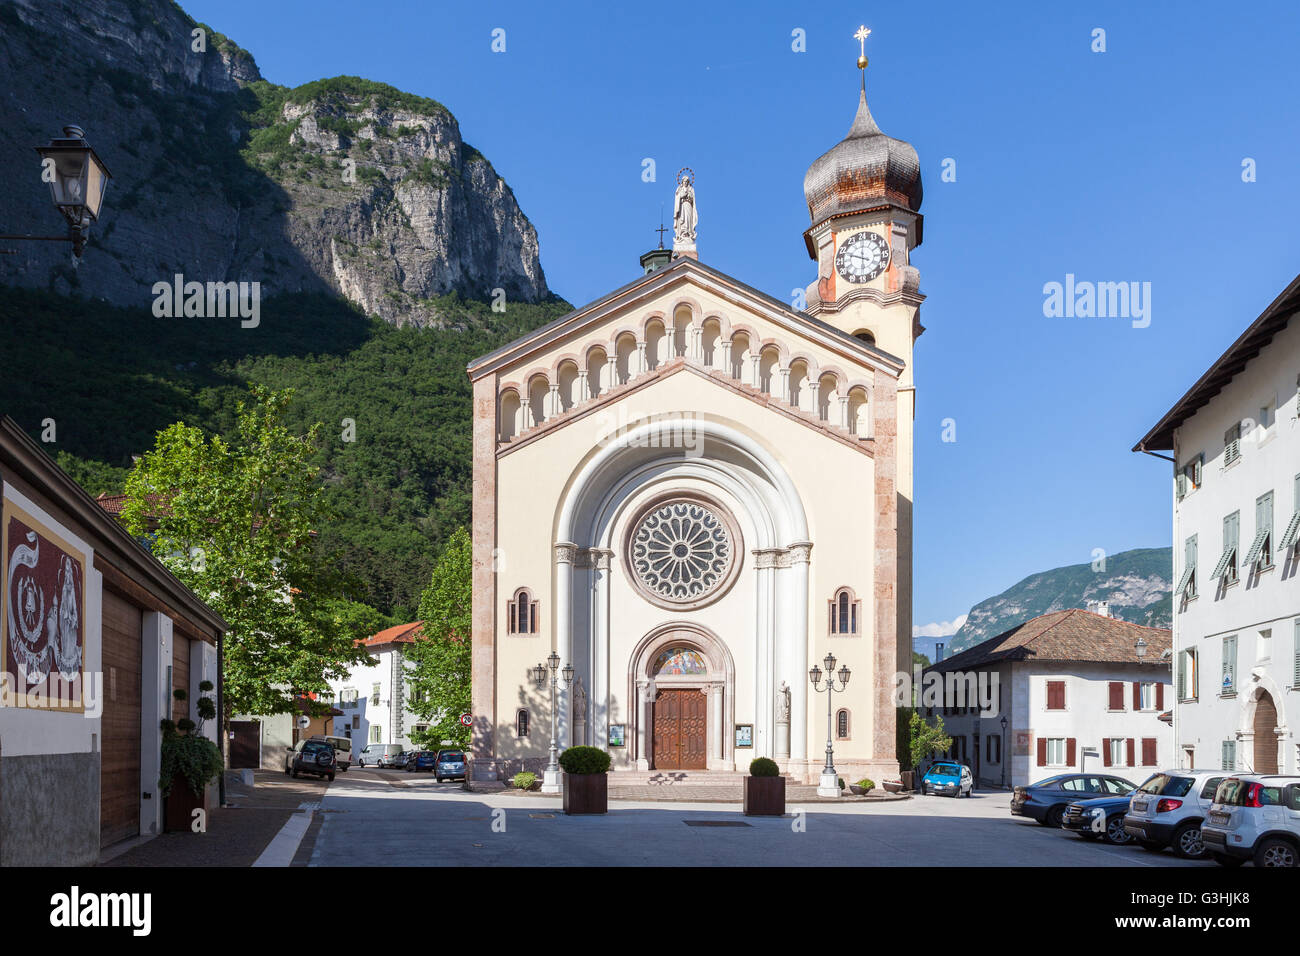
[830, 785]
[551, 778]
[77, 178]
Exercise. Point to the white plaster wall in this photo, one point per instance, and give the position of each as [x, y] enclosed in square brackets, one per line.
[1258, 602]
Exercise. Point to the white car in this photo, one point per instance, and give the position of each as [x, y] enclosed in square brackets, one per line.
[1257, 818]
[1168, 810]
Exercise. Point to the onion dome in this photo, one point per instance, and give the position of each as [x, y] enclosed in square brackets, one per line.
[863, 170]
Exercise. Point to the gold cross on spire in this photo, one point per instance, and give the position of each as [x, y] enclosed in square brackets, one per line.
[861, 37]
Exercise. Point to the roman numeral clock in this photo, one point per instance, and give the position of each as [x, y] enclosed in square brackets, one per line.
[862, 257]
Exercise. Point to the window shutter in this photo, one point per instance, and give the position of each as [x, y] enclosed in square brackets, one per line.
[1131, 748]
[1296, 679]
[1229, 664]
[1160, 697]
[1069, 751]
[1042, 751]
[1137, 695]
[1229, 755]
[1182, 676]
[1148, 751]
[1181, 486]
[1116, 695]
[1105, 753]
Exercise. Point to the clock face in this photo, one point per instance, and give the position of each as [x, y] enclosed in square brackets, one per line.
[862, 257]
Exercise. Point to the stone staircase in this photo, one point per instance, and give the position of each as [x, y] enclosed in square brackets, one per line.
[696, 786]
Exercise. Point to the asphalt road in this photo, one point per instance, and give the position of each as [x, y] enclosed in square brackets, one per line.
[385, 818]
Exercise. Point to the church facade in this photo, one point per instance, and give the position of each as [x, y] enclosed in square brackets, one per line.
[692, 493]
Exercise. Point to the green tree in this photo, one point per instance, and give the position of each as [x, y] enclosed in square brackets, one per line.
[927, 739]
[236, 522]
[440, 676]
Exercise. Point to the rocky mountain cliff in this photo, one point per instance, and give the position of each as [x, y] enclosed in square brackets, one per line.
[1137, 584]
[341, 185]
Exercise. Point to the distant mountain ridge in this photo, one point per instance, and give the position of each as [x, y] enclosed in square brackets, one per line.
[1137, 584]
[342, 186]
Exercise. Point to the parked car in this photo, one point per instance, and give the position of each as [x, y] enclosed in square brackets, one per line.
[408, 760]
[953, 779]
[1047, 800]
[1100, 817]
[1168, 809]
[424, 760]
[342, 749]
[310, 756]
[449, 765]
[1257, 818]
[378, 755]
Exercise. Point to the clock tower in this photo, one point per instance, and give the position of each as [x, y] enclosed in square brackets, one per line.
[864, 201]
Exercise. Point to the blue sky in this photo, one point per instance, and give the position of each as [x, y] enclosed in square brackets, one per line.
[1117, 166]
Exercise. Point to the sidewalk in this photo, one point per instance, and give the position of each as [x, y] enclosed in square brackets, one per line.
[237, 834]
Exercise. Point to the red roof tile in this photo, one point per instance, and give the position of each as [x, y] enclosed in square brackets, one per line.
[1071, 635]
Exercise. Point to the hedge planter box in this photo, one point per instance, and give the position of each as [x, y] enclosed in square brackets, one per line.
[764, 796]
[179, 807]
[586, 793]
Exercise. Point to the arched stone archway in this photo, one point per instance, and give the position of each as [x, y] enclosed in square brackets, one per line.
[1262, 729]
[651, 675]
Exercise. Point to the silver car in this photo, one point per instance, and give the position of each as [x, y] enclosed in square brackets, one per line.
[1255, 817]
[1168, 809]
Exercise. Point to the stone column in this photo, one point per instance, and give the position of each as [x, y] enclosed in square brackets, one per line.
[713, 758]
[695, 348]
[565, 552]
[755, 371]
[641, 365]
[722, 356]
[584, 389]
[800, 556]
[765, 568]
[784, 387]
[643, 708]
[844, 411]
[553, 400]
[600, 561]
[525, 415]
[611, 370]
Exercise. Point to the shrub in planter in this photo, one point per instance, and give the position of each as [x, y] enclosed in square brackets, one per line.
[764, 789]
[586, 788]
[525, 780]
[863, 786]
[189, 764]
[584, 761]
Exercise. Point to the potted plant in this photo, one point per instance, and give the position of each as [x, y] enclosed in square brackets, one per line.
[586, 788]
[525, 780]
[189, 763]
[863, 787]
[764, 789]
[893, 786]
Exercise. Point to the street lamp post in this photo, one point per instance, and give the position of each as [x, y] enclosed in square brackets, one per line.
[551, 778]
[830, 784]
[77, 178]
[1002, 756]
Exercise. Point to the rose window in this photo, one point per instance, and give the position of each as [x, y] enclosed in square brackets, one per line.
[681, 551]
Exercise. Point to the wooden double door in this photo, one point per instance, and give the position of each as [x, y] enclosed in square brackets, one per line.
[681, 738]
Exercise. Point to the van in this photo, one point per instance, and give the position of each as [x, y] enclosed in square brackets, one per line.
[379, 755]
[342, 749]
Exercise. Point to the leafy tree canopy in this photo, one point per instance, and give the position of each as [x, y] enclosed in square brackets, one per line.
[440, 675]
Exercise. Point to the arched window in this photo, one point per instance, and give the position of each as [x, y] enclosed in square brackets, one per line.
[845, 610]
[521, 723]
[842, 724]
[522, 613]
[864, 335]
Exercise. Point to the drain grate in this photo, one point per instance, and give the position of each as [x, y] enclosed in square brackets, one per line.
[715, 823]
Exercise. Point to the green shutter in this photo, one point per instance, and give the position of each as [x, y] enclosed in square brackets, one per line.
[1229, 755]
[1295, 682]
[1182, 667]
[1229, 664]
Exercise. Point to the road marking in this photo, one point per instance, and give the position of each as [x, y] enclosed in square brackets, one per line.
[280, 851]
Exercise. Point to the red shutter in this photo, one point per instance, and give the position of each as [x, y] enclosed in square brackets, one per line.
[1056, 695]
[1148, 751]
[1160, 697]
[1137, 695]
[1132, 756]
[1069, 751]
[1105, 753]
[1042, 751]
[1116, 695]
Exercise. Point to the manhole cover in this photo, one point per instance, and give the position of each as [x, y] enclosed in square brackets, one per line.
[715, 823]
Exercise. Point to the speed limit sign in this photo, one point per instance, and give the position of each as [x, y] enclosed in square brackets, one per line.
[466, 719]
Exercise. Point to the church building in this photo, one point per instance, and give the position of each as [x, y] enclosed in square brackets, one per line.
[693, 493]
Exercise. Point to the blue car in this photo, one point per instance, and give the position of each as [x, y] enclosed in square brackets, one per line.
[1100, 817]
[954, 779]
[449, 765]
[423, 760]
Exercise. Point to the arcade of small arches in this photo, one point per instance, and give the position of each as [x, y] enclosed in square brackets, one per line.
[820, 393]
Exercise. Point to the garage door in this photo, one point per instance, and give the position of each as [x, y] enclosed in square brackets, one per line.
[245, 736]
[119, 776]
[181, 677]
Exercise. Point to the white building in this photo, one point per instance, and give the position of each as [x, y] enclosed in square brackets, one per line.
[374, 698]
[1235, 438]
[1077, 691]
